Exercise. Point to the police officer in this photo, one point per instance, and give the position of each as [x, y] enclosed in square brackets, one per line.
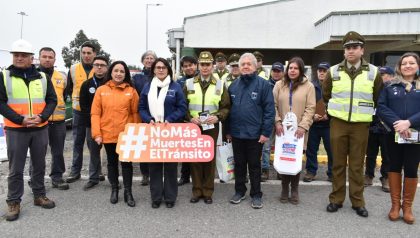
[27, 100]
[205, 95]
[79, 73]
[221, 72]
[234, 69]
[351, 89]
[260, 69]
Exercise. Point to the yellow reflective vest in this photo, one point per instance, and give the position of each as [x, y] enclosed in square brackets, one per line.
[352, 100]
[25, 100]
[222, 76]
[262, 74]
[59, 82]
[207, 102]
[78, 76]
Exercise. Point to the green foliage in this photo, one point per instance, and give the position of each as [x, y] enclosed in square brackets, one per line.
[71, 54]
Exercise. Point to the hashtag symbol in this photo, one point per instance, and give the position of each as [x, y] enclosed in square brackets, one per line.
[132, 142]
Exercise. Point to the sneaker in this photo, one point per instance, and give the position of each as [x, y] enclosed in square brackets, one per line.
[385, 184]
[145, 180]
[89, 185]
[12, 211]
[44, 202]
[264, 175]
[309, 177]
[256, 203]
[237, 198]
[368, 180]
[60, 184]
[73, 178]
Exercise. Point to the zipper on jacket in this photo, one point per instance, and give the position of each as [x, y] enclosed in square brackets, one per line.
[29, 97]
[351, 98]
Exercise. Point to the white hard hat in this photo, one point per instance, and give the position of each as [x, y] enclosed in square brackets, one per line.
[22, 46]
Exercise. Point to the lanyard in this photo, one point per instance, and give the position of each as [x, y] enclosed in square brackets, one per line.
[96, 83]
[290, 95]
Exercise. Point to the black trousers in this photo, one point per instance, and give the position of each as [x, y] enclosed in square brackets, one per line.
[126, 167]
[144, 168]
[401, 156]
[186, 170]
[247, 154]
[163, 181]
[374, 142]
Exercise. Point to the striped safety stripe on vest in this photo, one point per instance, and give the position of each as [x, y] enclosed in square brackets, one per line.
[25, 100]
[59, 81]
[356, 106]
[195, 97]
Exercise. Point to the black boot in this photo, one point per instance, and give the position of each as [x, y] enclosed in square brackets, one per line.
[114, 194]
[128, 197]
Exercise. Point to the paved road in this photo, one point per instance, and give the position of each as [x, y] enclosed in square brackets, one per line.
[89, 213]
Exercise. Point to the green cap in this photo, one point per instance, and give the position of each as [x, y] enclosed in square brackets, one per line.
[205, 57]
[220, 56]
[234, 59]
[258, 55]
[353, 38]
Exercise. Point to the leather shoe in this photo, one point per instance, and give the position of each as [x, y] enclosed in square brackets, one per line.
[361, 211]
[72, 178]
[208, 200]
[183, 181]
[170, 204]
[333, 207]
[194, 199]
[155, 204]
[89, 185]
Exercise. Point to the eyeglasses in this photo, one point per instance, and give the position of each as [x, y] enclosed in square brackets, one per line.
[161, 68]
[100, 65]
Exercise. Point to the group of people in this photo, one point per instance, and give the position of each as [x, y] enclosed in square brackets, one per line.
[351, 106]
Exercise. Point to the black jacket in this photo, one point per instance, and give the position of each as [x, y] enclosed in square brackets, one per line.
[87, 93]
[27, 75]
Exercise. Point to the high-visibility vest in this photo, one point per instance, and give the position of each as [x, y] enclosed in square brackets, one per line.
[262, 74]
[59, 82]
[352, 100]
[224, 75]
[229, 80]
[211, 100]
[78, 76]
[25, 100]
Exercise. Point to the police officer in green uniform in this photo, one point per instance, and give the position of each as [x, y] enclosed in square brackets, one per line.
[205, 95]
[221, 72]
[260, 69]
[234, 69]
[351, 89]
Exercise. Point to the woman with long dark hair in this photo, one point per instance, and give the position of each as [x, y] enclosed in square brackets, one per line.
[297, 95]
[115, 104]
[162, 101]
[399, 108]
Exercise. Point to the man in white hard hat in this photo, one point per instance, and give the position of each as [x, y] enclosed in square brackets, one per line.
[27, 100]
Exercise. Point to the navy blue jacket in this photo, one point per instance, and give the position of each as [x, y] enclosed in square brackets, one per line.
[252, 112]
[396, 104]
[175, 104]
[141, 79]
[318, 96]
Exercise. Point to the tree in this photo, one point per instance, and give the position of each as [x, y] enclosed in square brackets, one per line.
[71, 55]
[133, 67]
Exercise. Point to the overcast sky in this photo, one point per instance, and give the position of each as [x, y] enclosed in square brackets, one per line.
[119, 26]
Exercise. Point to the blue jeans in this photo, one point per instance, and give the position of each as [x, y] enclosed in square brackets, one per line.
[314, 139]
[266, 151]
[79, 136]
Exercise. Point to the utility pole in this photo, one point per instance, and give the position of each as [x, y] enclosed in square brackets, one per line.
[21, 23]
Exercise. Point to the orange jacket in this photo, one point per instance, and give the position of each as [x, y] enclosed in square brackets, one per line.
[113, 107]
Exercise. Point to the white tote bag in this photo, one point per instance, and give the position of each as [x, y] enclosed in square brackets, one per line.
[225, 163]
[288, 152]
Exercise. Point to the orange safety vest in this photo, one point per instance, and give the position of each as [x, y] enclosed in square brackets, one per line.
[78, 76]
[59, 81]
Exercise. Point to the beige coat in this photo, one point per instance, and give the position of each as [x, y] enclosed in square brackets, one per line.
[303, 103]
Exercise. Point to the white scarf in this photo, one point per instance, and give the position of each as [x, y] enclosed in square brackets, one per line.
[156, 103]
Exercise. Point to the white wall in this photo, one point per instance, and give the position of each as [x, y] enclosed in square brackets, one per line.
[284, 24]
